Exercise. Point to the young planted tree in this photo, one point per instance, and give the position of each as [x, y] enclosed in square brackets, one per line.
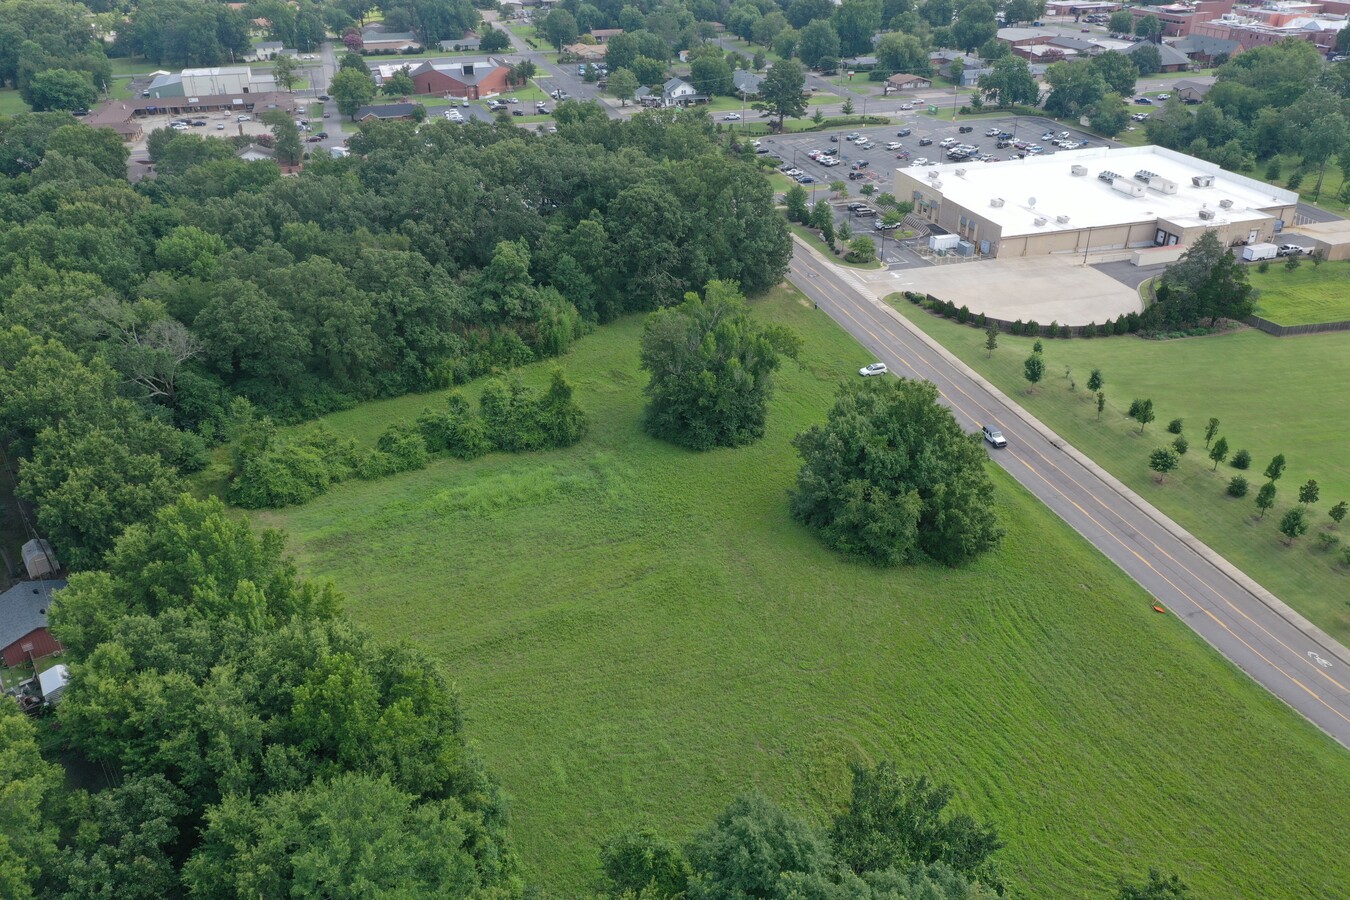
[1265, 498]
[1237, 487]
[1181, 445]
[1242, 459]
[1219, 451]
[1276, 468]
[1338, 512]
[1162, 461]
[1095, 381]
[1101, 404]
[1293, 525]
[283, 71]
[1033, 370]
[1211, 429]
[711, 366]
[1308, 493]
[1174, 426]
[1142, 412]
[623, 84]
[991, 340]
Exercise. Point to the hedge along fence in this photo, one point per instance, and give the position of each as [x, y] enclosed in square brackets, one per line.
[1270, 327]
[1125, 324]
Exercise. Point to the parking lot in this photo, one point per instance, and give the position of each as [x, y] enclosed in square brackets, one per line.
[881, 162]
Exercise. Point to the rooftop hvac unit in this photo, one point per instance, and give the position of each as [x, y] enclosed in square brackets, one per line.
[960, 173]
[1078, 170]
[1202, 180]
[1206, 213]
[1063, 220]
[1226, 204]
[1161, 185]
[965, 248]
[933, 173]
[1107, 176]
[1039, 221]
[996, 202]
[1145, 175]
[1128, 186]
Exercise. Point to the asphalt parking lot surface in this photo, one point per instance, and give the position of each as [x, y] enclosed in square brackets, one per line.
[881, 163]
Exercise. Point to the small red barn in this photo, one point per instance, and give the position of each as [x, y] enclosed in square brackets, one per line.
[23, 621]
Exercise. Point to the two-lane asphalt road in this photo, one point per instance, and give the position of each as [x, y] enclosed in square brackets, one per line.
[1284, 653]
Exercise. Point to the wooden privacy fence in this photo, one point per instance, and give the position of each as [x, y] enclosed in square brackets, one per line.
[1270, 327]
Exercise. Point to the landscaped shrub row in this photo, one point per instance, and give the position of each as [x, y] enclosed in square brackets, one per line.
[511, 417]
[1125, 324]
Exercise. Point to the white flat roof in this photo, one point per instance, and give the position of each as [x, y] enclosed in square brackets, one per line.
[216, 71]
[1044, 187]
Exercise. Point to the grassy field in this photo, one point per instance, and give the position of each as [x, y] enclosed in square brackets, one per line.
[1306, 295]
[640, 633]
[1272, 395]
[11, 103]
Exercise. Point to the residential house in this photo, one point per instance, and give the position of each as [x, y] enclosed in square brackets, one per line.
[23, 621]
[583, 53]
[264, 50]
[903, 82]
[1193, 90]
[602, 35]
[255, 153]
[859, 63]
[675, 92]
[459, 44]
[1204, 49]
[746, 82]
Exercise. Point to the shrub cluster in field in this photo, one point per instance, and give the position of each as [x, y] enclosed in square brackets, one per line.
[273, 472]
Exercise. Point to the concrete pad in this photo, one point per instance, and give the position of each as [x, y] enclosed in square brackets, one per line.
[1044, 288]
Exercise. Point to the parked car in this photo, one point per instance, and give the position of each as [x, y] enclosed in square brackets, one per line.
[993, 435]
[925, 142]
[893, 145]
[1292, 250]
[1164, 96]
[834, 139]
[852, 136]
[903, 132]
[313, 139]
[921, 161]
[966, 129]
[860, 164]
[1143, 101]
[873, 369]
[854, 207]
[992, 132]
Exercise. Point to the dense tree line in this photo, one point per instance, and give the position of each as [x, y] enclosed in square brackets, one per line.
[48, 52]
[135, 316]
[895, 840]
[250, 741]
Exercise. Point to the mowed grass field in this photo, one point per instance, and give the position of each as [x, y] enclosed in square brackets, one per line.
[640, 633]
[1307, 295]
[1271, 395]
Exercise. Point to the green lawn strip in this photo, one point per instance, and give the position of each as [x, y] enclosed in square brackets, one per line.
[1306, 295]
[640, 633]
[135, 66]
[11, 104]
[1271, 395]
[807, 234]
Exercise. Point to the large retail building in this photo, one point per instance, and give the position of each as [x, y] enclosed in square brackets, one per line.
[1081, 201]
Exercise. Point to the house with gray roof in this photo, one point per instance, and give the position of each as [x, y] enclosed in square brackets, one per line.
[675, 92]
[23, 621]
[388, 111]
[746, 82]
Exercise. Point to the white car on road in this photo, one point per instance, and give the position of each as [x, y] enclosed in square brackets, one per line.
[873, 369]
[732, 117]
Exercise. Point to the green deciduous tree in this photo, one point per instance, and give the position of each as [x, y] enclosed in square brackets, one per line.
[283, 70]
[59, 89]
[1293, 524]
[1009, 83]
[1117, 70]
[623, 84]
[354, 836]
[1309, 492]
[1211, 429]
[748, 847]
[352, 89]
[891, 477]
[899, 821]
[711, 368]
[990, 341]
[1275, 468]
[1073, 89]
[1096, 380]
[1265, 498]
[1142, 412]
[1218, 451]
[1338, 511]
[494, 40]
[1121, 22]
[640, 860]
[1033, 370]
[559, 28]
[781, 92]
[818, 41]
[1109, 116]
[400, 84]
[1101, 404]
[29, 788]
[1162, 461]
[856, 21]
[1149, 28]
